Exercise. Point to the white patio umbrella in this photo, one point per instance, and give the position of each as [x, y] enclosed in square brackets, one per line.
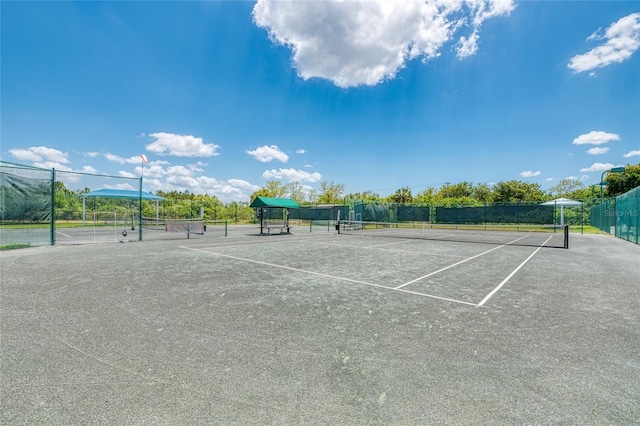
[562, 202]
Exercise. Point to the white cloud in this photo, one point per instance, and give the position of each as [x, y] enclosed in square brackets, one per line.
[40, 154]
[300, 151]
[121, 186]
[243, 184]
[232, 190]
[114, 158]
[598, 150]
[292, 175]
[52, 165]
[354, 43]
[550, 179]
[600, 167]
[179, 171]
[595, 137]
[622, 39]
[467, 46]
[266, 154]
[530, 173]
[126, 174]
[120, 160]
[152, 170]
[181, 145]
[633, 153]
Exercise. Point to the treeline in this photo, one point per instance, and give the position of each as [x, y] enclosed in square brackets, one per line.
[185, 204]
[463, 193]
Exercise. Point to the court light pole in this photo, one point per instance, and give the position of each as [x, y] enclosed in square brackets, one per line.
[612, 170]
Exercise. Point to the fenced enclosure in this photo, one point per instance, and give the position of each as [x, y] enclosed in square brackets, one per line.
[26, 205]
[47, 206]
[628, 216]
[525, 213]
[619, 216]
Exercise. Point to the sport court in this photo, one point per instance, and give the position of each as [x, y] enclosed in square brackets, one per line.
[319, 328]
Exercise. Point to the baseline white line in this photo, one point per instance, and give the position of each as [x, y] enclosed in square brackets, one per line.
[327, 276]
[495, 290]
[457, 263]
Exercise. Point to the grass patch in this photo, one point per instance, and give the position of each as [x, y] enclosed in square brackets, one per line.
[14, 246]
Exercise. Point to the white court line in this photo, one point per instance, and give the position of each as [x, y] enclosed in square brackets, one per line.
[495, 290]
[457, 263]
[328, 276]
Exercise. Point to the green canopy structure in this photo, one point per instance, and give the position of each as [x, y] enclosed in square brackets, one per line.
[268, 202]
[261, 204]
[122, 193]
[119, 193]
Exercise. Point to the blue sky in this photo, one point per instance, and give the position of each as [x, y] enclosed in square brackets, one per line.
[223, 96]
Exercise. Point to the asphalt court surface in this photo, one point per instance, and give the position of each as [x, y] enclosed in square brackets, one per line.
[316, 328]
[460, 272]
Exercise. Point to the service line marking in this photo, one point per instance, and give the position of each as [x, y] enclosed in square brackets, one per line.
[457, 263]
[327, 276]
[495, 290]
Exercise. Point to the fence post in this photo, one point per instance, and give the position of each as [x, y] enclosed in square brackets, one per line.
[140, 211]
[52, 235]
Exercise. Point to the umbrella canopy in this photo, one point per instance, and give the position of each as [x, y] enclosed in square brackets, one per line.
[562, 202]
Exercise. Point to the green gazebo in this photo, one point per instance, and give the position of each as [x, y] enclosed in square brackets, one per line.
[262, 204]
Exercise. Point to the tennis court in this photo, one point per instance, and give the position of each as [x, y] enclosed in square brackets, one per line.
[321, 328]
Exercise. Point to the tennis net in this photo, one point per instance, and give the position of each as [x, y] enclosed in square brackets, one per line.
[517, 235]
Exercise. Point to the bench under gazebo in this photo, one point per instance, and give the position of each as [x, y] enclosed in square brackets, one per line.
[271, 220]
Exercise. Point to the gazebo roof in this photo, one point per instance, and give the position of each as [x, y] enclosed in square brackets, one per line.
[285, 203]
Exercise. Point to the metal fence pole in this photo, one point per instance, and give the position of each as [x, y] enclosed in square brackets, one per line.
[52, 237]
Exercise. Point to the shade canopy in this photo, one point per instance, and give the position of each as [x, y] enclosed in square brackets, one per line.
[285, 203]
[562, 202]
[122, 193]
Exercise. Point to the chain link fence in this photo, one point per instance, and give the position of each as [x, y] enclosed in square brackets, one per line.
[26, 205]
[619, 216]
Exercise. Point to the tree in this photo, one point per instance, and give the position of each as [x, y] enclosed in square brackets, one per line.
[365, 196]
[273, 189]
[295, 191]
[514, 191]
[565, 188]
[458, 190]
[427, 196]
[402, 195]
[619, 183]
[483, 193]
[330, 193]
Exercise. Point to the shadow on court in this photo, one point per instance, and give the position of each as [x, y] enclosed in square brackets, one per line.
[316, 328]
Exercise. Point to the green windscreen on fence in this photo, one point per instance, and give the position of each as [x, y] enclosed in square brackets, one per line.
[316, 212]
[497, 213]
[627, 215]
[26, 205]
[603, 216]
[487, 213]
